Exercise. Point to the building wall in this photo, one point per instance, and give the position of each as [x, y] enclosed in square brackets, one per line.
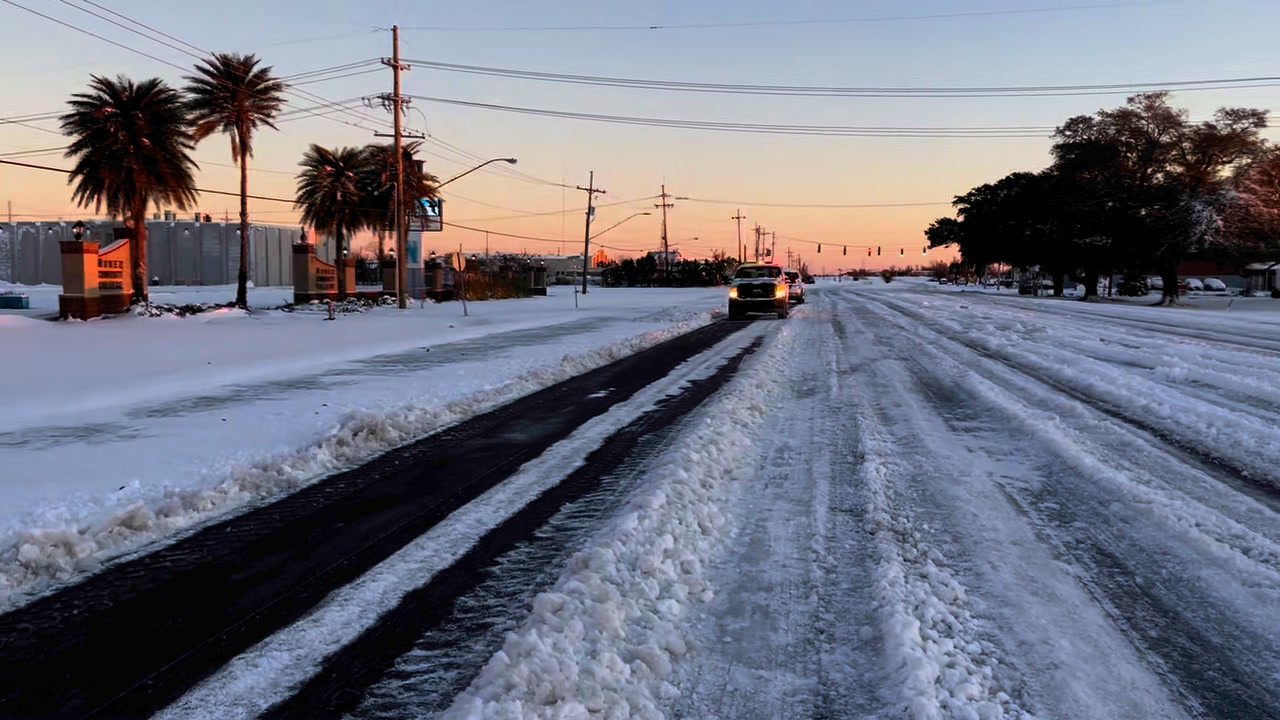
[178, 252]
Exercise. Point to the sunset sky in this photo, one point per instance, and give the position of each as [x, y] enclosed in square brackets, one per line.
[778, 181]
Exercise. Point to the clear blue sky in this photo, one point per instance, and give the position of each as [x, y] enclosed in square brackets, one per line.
[1071, 42]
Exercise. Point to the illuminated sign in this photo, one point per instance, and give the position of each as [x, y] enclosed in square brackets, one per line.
[429, 215]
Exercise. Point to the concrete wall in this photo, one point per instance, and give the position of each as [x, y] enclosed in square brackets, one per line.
[178, 252]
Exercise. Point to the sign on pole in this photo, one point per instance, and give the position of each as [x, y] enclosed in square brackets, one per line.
[428, 216]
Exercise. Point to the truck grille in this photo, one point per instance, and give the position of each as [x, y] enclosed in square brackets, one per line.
[755, 290]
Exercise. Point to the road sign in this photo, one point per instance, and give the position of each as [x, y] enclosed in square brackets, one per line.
[428, 216]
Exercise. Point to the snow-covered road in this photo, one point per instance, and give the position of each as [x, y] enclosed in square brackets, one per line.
[909, 502]
[973, 507]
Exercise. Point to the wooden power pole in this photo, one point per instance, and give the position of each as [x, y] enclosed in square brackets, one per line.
[591, 190]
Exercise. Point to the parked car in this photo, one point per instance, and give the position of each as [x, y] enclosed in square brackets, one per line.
[795, 286]
[758, 288]
[1214, 285]
[1194, 284]
[1155, 282]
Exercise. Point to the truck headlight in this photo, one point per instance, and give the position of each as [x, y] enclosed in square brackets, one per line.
[780, 291]
[733, 293]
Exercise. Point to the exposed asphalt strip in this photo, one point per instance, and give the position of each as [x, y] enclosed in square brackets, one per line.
[348, 673]
[132, 639]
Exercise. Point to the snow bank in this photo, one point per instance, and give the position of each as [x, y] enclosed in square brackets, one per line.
[62, 545]
[603, 641]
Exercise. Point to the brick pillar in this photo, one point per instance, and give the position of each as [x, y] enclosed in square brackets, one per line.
[80, 295]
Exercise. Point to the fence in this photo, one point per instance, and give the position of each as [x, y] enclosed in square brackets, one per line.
[178, 253]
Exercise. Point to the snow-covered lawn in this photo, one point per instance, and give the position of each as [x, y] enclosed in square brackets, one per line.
[122, 430]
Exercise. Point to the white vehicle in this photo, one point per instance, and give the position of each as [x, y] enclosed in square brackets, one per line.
[759, 288]
[1214, 285]
[1194, 284]
[795, 287]
[1155, 282]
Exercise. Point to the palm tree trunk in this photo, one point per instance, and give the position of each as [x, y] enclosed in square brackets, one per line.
[138, 254]
[242, 277]
[337, 261]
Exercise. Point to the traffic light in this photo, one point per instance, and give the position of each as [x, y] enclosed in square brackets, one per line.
[877, 250]
[925, 251]
[846, 250]
[901, 252]
[819, 248]
[868, 252]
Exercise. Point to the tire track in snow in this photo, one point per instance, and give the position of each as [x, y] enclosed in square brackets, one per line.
[782, 640]
[1156, 612]
[1233, 379]
[1155, 328]
[349, 673]
[1181, 444]
[1247, 521]
[942, 664]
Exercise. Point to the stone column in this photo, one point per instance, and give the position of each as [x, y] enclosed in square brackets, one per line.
[80, 296]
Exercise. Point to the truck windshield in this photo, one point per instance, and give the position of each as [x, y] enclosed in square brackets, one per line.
[750, 273]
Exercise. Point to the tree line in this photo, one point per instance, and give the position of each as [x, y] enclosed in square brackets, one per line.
[646, 272]
[1135, 189]
[131, 145]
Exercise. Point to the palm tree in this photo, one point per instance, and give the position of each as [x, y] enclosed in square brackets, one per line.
[381, 181]
[331, 198]
[231, 94]
[132, 147]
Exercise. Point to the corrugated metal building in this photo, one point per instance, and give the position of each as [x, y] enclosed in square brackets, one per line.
[178, 252]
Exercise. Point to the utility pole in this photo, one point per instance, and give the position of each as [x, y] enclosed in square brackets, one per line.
[591, 190]
[397, 103]
[664, 205]
[742, 251]
[773, 247]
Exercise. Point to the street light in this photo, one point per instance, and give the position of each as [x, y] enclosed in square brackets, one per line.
[77, 230]
[509, 161]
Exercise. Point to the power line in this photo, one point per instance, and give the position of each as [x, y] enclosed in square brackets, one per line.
[859, 92]
[844, 206]
[774, 23]
[149, 56]
[268, 198]
[756, 128]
